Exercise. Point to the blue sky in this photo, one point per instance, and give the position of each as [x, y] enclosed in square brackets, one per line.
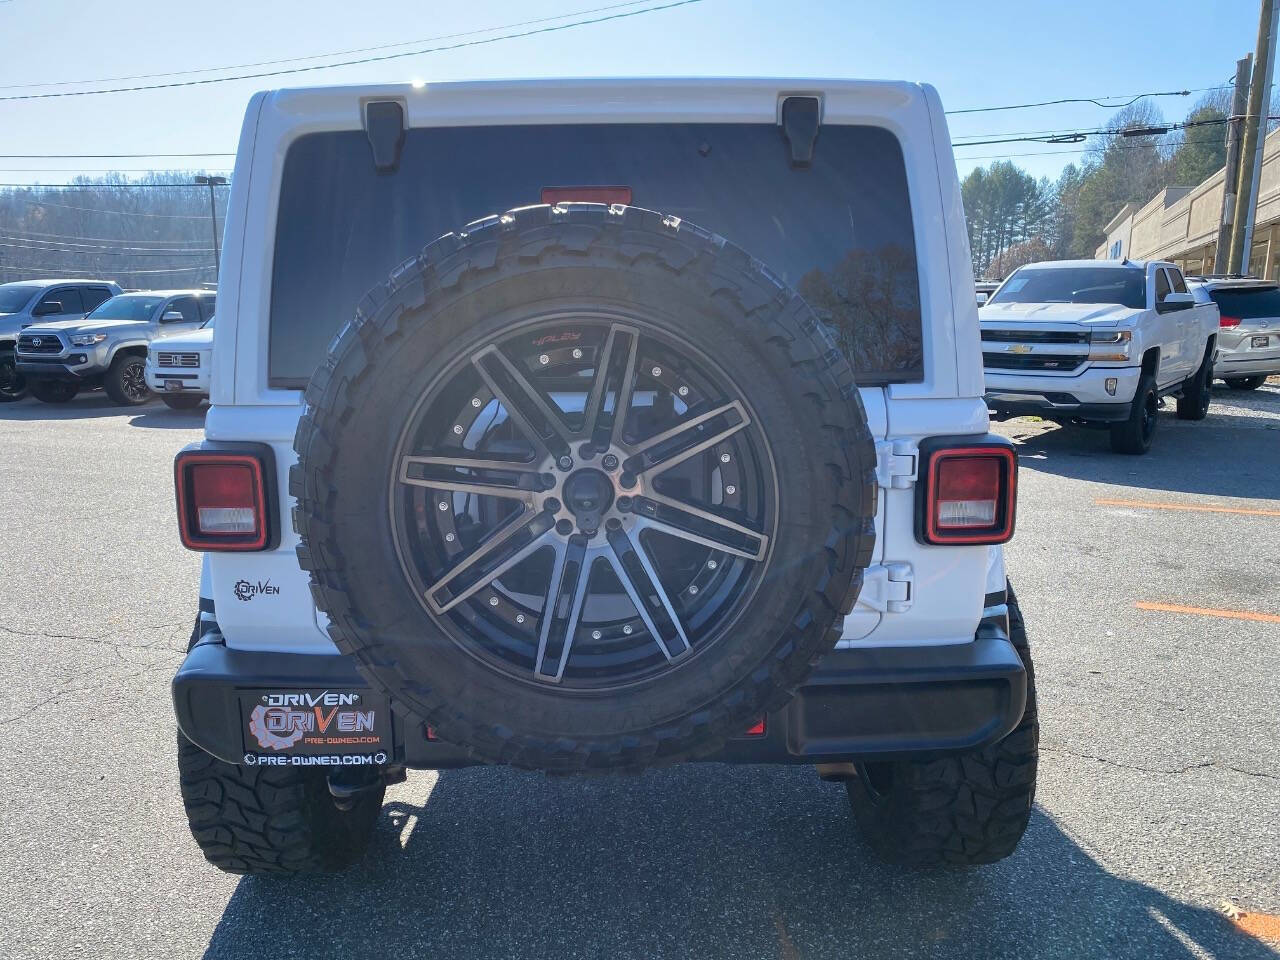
[976, 53]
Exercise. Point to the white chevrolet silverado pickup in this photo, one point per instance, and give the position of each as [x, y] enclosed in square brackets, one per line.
[1089, 341]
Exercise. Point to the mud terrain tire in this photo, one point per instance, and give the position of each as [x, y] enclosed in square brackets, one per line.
[454, 308]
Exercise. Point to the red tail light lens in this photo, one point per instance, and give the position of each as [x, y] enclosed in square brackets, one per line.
[1226, 321]
[756, 729]
[586, 195]
[969, 495]
[222, 501]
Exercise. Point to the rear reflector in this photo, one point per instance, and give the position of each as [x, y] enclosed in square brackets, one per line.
[757, 730]
[586, 195]
[1228, 321]
[222, 501]
[969, 495]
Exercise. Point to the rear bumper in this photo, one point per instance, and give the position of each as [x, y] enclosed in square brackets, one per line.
[858, 703]
[1243, 364]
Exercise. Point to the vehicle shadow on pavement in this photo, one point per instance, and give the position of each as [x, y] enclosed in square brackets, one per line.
[1208, 458]
[97, 405]
[698, 861]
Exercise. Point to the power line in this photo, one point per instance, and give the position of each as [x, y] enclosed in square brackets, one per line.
[35, 244]
[101, 186]
[120, 213]
[104, 156]
[347, 63]
[322, 56]
[106, 253]
[36, 234]
[1126, 98]
[84, 271]
[1049, 153]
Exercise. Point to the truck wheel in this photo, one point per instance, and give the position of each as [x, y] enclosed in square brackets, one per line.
[54, 391]
[181, 401]
[961, 808]
[271, 819]
[1134, 433]
[1247, 383]
[584, 488]
[1196, 392]
[125, 380]
[13, 386]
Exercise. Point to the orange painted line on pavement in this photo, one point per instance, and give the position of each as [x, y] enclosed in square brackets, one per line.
[1209, 612]
[1193, 508]
[1263, 926]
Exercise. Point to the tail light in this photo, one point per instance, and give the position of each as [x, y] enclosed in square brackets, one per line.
[586, 195]
[756, 729]
[969, 493]
[1225, 321]
[224, 501]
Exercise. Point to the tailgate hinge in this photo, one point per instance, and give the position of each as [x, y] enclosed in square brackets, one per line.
[888, 587]
[896, 463]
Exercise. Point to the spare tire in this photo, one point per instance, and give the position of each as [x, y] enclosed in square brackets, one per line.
[584, 487]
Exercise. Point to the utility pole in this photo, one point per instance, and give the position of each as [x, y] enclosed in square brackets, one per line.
[212, 182]
[1231, 174]
[1251, 147]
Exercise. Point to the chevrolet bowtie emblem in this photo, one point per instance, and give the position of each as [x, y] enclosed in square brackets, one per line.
[1017, 348]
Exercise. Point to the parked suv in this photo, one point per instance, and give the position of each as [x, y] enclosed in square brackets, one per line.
[1099, 341]
[30, 301]
[178, 367]
[569, 425]
[1248, 329]
[107, 348]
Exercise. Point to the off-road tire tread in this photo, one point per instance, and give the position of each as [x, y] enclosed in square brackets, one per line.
[965, 808]
[1193, 404]
[1126, 435]
[618, 235]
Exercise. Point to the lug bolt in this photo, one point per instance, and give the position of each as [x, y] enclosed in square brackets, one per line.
[493, 601]
[693, 588]
[628, 480]
[551, 505]
[711, 564]
[610, 462]
[683, 391]
[613, 523]
[586, 451]
[656, 371]
[519, 618]
[449, 538]
[731, 489]
[564, 527]
[548, 481]
[624, 504]
[544, 359]
[725, 458]
[565, 462]
[443, 505]
[577, 354]
[457, 428]
[475, 401]
[627, 630]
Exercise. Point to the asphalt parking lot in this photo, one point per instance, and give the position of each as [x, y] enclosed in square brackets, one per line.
[1147, 585]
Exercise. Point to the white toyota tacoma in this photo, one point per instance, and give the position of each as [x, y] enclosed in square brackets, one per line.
[1099, 341]
[598, 425]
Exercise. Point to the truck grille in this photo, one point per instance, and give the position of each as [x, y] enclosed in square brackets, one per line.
[39, 343]
[1056, 362]
[1034, 336]
[177, 359]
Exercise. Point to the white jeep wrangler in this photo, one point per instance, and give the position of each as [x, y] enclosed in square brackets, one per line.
[1099, 341]
[597, 425]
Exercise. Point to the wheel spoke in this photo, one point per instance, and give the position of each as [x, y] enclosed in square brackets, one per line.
[640, 580]
[524, 535]
[604, 377]
[523, 402]
[440, 473]
[701, 526]
[642, 462]
[563, 609]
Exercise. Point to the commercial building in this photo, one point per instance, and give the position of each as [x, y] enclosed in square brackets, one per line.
[1181, 224]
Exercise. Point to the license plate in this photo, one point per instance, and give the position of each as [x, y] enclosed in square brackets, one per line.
[175, 386]
[1257, 341]
[337, 727]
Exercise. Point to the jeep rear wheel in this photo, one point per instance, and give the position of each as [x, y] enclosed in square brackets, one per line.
[125, 381]
[960, 808]
[584, 488]
[272, 819]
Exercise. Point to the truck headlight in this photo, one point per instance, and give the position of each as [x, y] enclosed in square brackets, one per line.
[1109, 344]
[87, 339]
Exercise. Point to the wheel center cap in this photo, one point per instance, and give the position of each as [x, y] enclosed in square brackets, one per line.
[588, 493]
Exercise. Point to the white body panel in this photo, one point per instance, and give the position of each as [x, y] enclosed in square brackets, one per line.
[948, 583]
[175, 350]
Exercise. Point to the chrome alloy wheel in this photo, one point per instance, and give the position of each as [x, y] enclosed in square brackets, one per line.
[587, 502]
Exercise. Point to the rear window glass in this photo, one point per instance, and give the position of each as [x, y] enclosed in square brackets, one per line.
[1247, 304]
[840, 231]
[1124, 286]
